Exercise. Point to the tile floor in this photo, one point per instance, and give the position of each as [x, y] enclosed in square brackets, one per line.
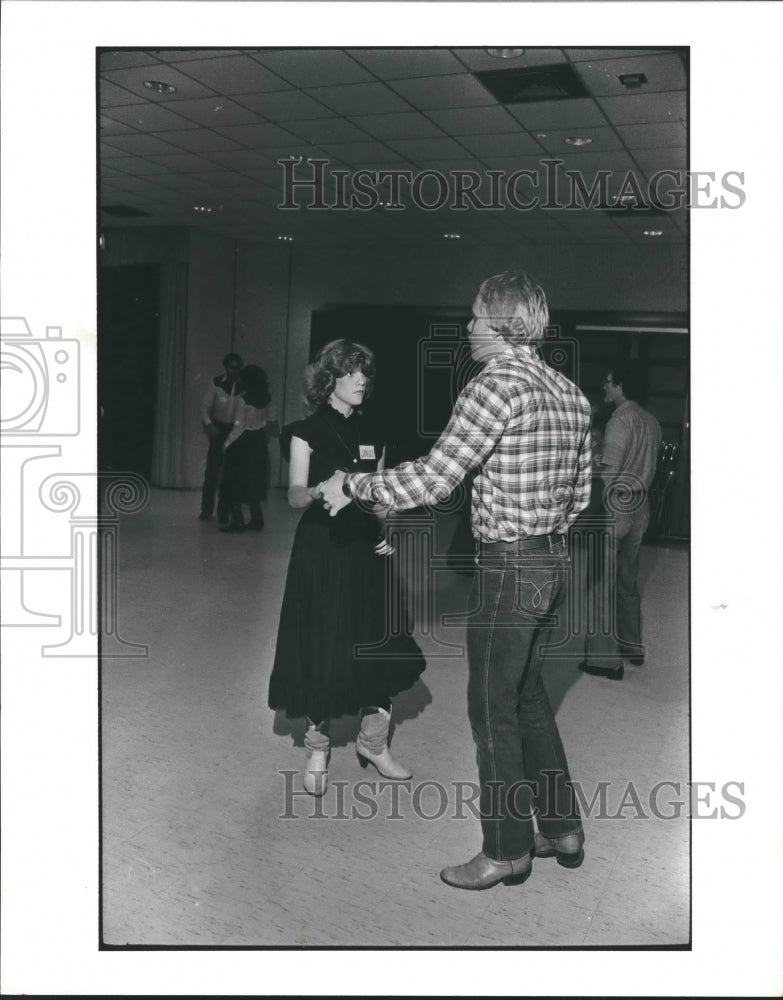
[202, 846]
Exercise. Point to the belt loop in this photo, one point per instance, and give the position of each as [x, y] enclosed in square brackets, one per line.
[549, 539]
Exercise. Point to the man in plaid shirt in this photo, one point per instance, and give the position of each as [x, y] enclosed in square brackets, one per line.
[525, 429]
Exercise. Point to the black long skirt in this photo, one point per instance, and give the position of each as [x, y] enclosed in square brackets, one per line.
[343, 642]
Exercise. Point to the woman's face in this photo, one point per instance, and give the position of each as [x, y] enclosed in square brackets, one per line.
[350, 389]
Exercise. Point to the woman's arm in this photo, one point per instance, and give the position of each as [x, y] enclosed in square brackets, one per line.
[240, 423]
[299, 493]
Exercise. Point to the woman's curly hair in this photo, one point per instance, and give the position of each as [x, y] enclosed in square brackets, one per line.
[338, 358]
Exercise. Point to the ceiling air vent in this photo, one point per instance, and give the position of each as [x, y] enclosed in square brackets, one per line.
[536, 83]
[125, 211]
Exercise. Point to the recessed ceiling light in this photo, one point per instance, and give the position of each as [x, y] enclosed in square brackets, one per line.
[202, 209]
[632, 80]
[505, 53]
[452, 236]
[286, 239]
[159, 87]
[653, 232]
[577, 140]
[540, 135]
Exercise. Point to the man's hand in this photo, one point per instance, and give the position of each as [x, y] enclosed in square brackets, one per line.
[331, 490]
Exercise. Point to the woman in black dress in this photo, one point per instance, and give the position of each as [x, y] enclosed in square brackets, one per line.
[245, 471]
[335, 598]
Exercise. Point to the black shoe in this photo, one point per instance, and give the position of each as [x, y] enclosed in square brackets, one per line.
[613, 673]
[636, 661]
[255, 526]
[203, 516]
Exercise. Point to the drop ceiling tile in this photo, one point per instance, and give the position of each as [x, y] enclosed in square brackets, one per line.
[510, 164]
[141, 144]
[480, 59]
[359, 153]
[640, 108]
[135, 165]
[434, 92]
[122, 58]
[544, 115]
[662, 159]
[234, 75]
[149, 117]
[661, 136]
[198, 140]
[213, 111]
[241, 161]
[427, 149]
[188, 162]
[108, 126]
[359, 99]
[109, 151]
[320, 130]
[396, 64]
[259, 136]
[296, 150]
[111, 95]
[314, 67]
[285, 104]
[475, 121]
[133, 79]
[603, 139]
[505, 144]
[593, 55]
[186, 54]
[618, 161]
[452, 165]
[406, 125]
[663, 72]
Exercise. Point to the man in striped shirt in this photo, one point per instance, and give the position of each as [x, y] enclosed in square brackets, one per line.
[525, 428]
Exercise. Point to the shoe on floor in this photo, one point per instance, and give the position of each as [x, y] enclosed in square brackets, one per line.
[482, 872]
[613, 673]
[571, 858]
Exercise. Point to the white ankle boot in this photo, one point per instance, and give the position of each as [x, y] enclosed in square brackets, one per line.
[372, 745]
[314, 776]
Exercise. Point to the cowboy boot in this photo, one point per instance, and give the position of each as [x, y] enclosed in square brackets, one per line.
[372, 745]
[317, 746]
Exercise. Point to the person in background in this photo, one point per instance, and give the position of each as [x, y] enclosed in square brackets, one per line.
[525, 429]
[629, 456]
[218, 413]
[335, 598]
[245, 475]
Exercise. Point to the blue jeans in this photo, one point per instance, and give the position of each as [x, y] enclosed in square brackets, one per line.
[521, 761]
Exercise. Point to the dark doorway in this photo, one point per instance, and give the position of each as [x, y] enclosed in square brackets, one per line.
[128, 315]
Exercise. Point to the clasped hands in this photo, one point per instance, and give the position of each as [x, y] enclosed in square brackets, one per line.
[331, 493]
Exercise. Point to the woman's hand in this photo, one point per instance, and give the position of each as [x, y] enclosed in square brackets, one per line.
[383, 548]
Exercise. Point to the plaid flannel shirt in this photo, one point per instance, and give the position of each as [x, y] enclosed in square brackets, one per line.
[526, 428]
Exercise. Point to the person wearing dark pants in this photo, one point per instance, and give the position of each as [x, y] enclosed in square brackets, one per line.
[524, 428]
[630, 454]
[218, 413]
[245, 472]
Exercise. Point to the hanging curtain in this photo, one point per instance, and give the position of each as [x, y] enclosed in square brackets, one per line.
[168, 446]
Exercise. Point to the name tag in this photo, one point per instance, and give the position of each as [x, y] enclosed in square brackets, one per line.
[366, 451]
